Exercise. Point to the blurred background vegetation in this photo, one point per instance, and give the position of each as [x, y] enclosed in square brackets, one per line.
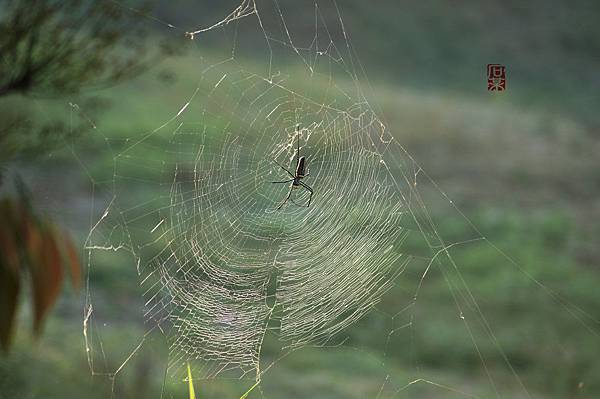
[522, 165]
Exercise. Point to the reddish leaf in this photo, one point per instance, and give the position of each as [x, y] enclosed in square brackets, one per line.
[46, 273]
[8, 215]
[9, 286]
[73, 260]
[8, 249]
[33, 240]
[9, 294]
[26, 240]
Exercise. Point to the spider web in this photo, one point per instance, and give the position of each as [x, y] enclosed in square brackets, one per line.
[220, 268]
[230, 244]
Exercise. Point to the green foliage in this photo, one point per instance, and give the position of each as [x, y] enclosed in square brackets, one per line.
[190, 383]
[61, 47]
[192, 392]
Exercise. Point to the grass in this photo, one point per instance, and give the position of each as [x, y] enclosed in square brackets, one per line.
[436, 347]
[192, 392]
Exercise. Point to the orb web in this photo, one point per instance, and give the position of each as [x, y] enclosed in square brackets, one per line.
[235, 263]
[220, 264]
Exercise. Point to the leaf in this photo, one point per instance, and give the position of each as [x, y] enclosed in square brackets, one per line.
[193, 394]
[46, 273]
[250, 390]
[26, 240]
[73, 260]
[9, 287]
[8, 246]
[9, 294]
[190, 383]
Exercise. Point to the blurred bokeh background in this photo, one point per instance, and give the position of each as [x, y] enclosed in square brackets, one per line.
[522, 165]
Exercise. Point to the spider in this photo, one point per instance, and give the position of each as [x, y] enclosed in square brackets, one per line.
[296, 177]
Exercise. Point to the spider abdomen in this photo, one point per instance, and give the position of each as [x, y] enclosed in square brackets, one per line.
[301, 169]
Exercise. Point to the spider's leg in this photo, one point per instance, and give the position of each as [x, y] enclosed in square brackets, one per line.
[286, 198]
[310, 190]
[284, 168]
[298, 151]
[306, 186]
[309, 199]
[287, 181]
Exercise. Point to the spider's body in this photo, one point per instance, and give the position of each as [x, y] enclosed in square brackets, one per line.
[300, 169]
[301, 172]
